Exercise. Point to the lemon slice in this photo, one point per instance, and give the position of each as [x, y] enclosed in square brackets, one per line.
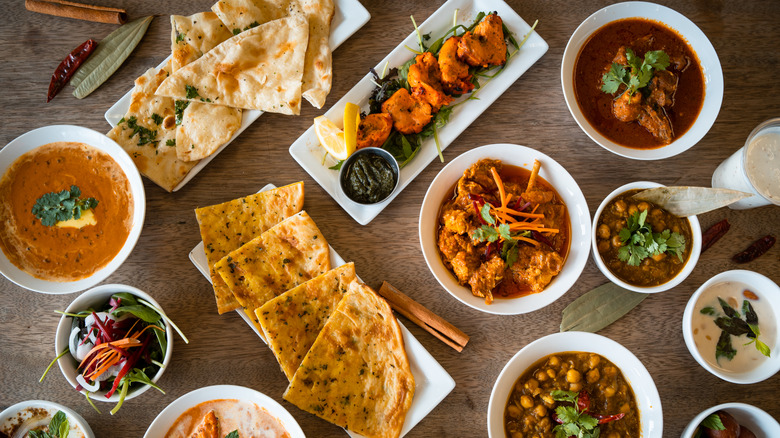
[351, 122]
[331, 138]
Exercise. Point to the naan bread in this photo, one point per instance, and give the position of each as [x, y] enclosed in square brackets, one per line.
[317, 67]
[292, 321]
[357, 375]
[258, 69]
[195, 35]
[226, 227]
[242, 15]
[157, 160]
[292, 252]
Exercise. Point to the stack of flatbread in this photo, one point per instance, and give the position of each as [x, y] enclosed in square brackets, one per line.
[243, 55]
[336, 340]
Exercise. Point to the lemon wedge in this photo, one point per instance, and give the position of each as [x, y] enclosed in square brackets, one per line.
[351, 122]
[331, 138]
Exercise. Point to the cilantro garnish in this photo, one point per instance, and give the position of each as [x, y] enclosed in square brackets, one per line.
[178, 108]
[639, 242]
[61, 206]
[639, 72]
[145, 135]
[156, 118]
[170, 142]
[573, 421]
[180, 36]
[491, 232]
[192, 92]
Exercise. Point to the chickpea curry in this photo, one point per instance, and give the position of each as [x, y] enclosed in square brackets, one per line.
[572, 382]
[504, 232]
[663, 251]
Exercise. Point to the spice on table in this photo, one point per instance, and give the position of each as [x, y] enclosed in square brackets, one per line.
[714, 233]
[68, 67]
[599, 308]
[79, 11]
[755, 250]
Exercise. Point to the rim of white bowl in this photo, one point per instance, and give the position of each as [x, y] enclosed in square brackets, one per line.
[73, 415]
[697, 40]
[690, 264]
[754, 416]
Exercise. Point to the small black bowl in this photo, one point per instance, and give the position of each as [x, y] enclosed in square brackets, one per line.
[347, 168]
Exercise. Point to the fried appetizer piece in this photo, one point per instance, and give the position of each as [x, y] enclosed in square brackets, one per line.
[455, 77]
[486, 45]
[409, 115]
[373, 130]
[425, 79]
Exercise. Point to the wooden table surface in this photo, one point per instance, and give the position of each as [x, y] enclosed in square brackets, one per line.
[223, 350]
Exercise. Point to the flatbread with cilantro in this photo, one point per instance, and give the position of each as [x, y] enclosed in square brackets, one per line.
[260, 69]
[242, 15]
[292, 321]
[226, 227]
[356, 374]
[292, 252]
[195, 35]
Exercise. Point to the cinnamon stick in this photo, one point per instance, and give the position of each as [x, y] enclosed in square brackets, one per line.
[418, 314]
[79, 11]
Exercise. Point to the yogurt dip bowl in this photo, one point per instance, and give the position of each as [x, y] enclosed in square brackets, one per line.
[35, 414]
[756, 419]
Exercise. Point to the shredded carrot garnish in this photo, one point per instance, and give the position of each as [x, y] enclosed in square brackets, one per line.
[519, 213]
[501, 191]
[525, 239]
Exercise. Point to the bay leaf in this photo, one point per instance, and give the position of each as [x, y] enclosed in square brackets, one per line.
[599, 308]
[690, 201]
[111, 52]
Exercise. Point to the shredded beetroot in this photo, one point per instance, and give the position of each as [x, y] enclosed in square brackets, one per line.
[540, 238]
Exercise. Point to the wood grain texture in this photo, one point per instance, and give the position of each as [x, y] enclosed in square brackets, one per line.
[223, 350]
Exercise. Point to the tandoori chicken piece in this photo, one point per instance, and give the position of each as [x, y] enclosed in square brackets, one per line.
[373, 130]
[425, 79]
[485, 46]
[208, 428]
[455, 77]
[409, 115]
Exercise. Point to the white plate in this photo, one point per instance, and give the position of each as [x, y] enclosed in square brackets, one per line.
[308, 152]
[646, 394]
[431, 382]
[168, 416]
[49, 134]
[349, 17]
[553, 173]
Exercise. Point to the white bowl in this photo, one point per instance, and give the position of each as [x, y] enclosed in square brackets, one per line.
[168, 416]
[563, 183]
[12, 415]
[764, 288]
[755, 419]
[647, 399]
[682, 275]
[711, 69]
[49, 134]
[96, 297]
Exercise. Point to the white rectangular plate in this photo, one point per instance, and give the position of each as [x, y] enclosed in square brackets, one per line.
[431, 382]
[308, 153]
[348, 18]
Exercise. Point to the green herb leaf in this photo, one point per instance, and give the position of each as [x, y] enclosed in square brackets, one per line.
[178, 108]
[192, 92]
[640, 72]
[639, 242]
[156, 118]
[727, 309]
[58, 425]
[109, 55]
[713, 422]
[763, 348]
[233, 434]
[750, 314]
[724, 347]
[485, 213]
[564, 396]
[61, 206]
[709, 310]
[485, 233]
[509, 252]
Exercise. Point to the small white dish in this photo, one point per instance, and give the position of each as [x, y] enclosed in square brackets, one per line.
[766, 289]
[553, 173]
[682, 275]
[24, 411]
[647, 399]
[757, 420]
[348, 18]
[69, 133]
[168, 416]
[309, 154]
[97, 297]
[711, 69]
[432, 383]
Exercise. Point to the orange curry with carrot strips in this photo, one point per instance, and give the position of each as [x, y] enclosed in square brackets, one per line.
[504, 232]
[64, 253]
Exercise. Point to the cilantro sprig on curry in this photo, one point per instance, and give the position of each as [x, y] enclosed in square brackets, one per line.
[61, 206]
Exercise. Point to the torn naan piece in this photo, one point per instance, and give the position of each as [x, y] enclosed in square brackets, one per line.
[226, 227]
[292, 252]
[195, 35]
[242, 15]
[148, 132]
[258, 69]
[317, 67]
[292, 321]
[357, 374]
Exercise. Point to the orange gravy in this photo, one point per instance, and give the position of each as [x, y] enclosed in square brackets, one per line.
[64, 254]
[248, 418]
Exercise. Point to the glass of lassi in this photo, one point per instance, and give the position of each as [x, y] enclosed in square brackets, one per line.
[754, 168]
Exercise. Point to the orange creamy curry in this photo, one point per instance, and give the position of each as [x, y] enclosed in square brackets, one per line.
[217, 418]
[56, 253]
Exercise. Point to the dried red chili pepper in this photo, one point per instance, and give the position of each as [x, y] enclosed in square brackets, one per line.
[68, 66]
[714, 233]
[607, 418]
[755, 250]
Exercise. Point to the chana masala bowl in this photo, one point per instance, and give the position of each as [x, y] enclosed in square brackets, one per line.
[555, 379]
